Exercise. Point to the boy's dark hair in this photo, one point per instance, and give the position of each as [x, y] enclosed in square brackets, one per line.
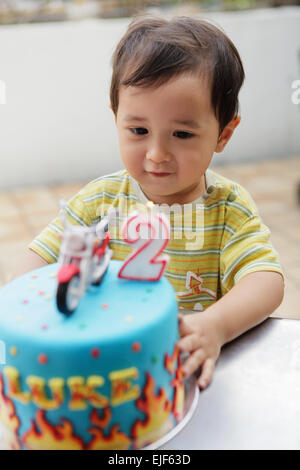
[154, 50]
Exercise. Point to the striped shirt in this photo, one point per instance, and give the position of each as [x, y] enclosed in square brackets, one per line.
[215, 240]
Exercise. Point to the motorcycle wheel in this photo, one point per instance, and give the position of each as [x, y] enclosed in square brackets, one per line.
[66, 298]
[98, 281]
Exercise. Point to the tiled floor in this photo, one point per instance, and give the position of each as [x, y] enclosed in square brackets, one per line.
[273, 185]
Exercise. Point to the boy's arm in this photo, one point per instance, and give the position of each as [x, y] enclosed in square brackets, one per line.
[29, 261]
[247, 304]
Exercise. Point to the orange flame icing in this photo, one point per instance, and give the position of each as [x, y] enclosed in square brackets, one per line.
[114, 441]
[9, 419]
[177, 382]
[157, 409]
[51, 437]
[178, 402]
[61, 437]
[170, 361]
[103, 421]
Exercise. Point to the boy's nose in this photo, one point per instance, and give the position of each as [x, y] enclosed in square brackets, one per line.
[158, 154]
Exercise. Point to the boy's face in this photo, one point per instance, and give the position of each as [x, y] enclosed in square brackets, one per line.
[167, 158]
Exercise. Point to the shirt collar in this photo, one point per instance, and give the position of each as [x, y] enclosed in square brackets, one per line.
[210, 185]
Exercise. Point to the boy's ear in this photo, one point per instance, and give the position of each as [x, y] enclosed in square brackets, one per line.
[227, 133]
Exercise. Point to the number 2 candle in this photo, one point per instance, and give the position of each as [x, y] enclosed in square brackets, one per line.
[149, 234]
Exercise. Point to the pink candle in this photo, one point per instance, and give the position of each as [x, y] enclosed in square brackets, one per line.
[149, 234]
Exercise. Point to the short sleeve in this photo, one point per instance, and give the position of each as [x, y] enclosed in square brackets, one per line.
[249, 249]
[47, 243]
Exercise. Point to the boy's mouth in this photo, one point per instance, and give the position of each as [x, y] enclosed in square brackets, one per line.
[159, 174]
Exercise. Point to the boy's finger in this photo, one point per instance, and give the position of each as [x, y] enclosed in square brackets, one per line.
[206, 373]
[188, 343]
[180, 317]
[192, 363]
[184, 328]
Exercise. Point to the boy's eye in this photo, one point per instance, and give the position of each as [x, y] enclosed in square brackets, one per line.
[184, 135]
[134, 129]
[180, 134]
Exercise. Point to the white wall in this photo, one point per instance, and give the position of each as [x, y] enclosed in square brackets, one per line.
[56, 124]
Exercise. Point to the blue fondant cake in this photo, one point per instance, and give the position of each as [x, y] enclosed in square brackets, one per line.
[106, 377]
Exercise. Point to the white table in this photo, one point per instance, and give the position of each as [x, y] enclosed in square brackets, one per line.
[254, 399]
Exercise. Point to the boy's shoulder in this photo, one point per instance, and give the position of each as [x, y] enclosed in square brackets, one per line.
[237, 199]
[112, 184]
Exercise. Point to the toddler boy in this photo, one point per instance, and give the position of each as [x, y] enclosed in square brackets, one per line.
[174, 97]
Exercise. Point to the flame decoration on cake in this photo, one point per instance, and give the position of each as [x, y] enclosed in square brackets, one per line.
[178, 402]
[62, 436]
[115, 440]
[173, 365]
[10, 420]
[51, 437]
[171, 361]
[157, 409]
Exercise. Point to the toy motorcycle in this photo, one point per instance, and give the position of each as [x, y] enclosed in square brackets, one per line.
[84, 258]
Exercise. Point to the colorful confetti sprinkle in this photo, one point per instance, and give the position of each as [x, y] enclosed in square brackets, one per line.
[13, 351]
[95, 352]
[136, 347]
[43, 358]
[128, 319]
[104, 306]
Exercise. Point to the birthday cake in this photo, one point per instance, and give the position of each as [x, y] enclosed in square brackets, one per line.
[106, 377]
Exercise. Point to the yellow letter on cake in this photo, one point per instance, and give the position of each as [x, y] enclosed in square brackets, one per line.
[14, 390]
[38, 393]
[122, 388]
[82, 393]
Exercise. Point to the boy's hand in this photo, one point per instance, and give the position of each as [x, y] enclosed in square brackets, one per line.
[201, 336]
